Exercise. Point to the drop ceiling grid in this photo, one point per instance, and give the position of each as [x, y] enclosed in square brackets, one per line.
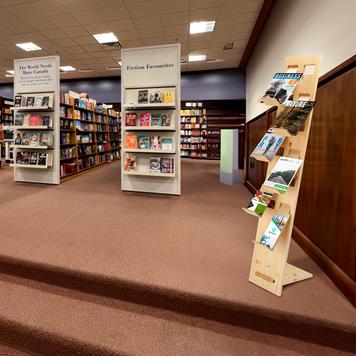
[66, 27]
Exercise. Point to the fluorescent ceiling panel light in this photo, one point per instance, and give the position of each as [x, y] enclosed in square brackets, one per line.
[66, 68]
[196, 57]
[11, 71]
[201, 27]
[28, 46]
[108, 37]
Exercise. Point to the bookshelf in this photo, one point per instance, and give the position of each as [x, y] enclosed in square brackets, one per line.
[193, 131]
[7, 123]
[89, 135]
[150, 134]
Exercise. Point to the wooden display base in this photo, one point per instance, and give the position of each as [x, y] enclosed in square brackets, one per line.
[269, 268]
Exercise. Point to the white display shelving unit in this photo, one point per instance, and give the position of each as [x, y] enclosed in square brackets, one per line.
[153, 69]
[38, 77]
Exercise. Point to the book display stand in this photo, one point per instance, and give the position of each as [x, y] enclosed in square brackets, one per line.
[36, 119]
[150, 96]
[269, 267]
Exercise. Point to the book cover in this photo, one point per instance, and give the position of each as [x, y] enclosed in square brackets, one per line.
[34, 139]
[30, 101]
[26, 138]
[283, 173]
[155, 164]
[168, 97]
[33, 158]
[34, 120]
[156, 120]
[274, 230]
[268, 146]
[19, 157]
[130, 119]
[46, 139]
[260, 202]
[167, 165]
[47, 101]
[130, 163]
[25, 157]
[18, 139]
[42, 159]
[155, 97]
[166, 119]
[145, 119]
[167, 144]
[38, 101]
[144, 142]
[282, 86]
[19, 119]
[131, 141]
[47, 121]
[292, 118]
[143, 96]
[155, 143]
[18, 100]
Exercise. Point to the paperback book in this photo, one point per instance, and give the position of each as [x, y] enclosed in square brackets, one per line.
[144, 142]
[26, 138]
[282, 86]
[260, 202]
[155, 143]
[130, 119]
[18, 100]
[292, 118]
[268, 146]
[131, 141]
[168, 97]
[156, 120]
[18, 139]
[33, 158]
[19, 119]
[155, 164]
[155, 97]
[130, 163]
[143, 96]
[167, 165]
[274, 230]
[145, 119]
[166, 119]
[34, 142]
[283, 173]
[167, 144]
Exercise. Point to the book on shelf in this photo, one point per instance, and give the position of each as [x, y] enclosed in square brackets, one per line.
[260, 202]
[274, 230]
[130, 119]
[34, 158]
[293, 116]
[35, 139]
[144, 142]
[143, 96]
[18, 100]
[131, 141]
[46, 139]
[169, 96]
[130, 163]
[166, 120]
[155, 143]
[283, 173]
[38, 101]
[26, 138]
[155, 97]
[18, 139]
[268, 146]
[156, 120]
[155, 164]
[167, 165]
[30, 101]
[282, 86]
[34, 120]
[167, 144]
[145, 119]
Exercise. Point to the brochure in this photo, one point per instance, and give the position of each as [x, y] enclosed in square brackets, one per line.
[260, 202]
[274, 230]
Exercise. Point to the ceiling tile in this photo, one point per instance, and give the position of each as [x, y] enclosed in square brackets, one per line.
[92, 48]
[85, 40]
[107, 3]
[54, 8]
[41, 23]
[15, 28]
[209, 14]
[65, 20]
[132, 43]
[122, 25]
[239, 8]
[76, 50]
[55, 34]
[7, 16]
[88, 17]
[128, 35]
[177, 18]
[65, 42]
[78, 5]
[151, 32]
[203, 4]
[141, 9]
[23, 11]
[75, 31]
[175, 30]
[166, 7]
[147, 22]
[100, 27]
[114, 13]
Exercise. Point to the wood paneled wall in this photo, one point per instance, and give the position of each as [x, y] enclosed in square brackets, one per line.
[325, 223]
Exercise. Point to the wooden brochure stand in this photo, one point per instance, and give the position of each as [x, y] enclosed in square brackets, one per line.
[269, 268]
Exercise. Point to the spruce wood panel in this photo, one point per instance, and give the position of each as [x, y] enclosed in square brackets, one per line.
[327, 212]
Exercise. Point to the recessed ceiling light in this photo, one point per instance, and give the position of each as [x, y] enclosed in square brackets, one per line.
[214, 60]
[196, 57]
[66, 68]
[28, 46]
[85, 70]
[201, 27]
[108, 37]
[112, 68]
[11, 71]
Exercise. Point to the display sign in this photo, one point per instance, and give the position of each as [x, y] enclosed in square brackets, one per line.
[151, 66]
[36, 74]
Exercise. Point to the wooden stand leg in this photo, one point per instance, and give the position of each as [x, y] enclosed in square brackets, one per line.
[294, 274]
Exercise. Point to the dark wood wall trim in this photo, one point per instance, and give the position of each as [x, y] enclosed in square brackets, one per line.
[337, 71]
[256, 32]
[336, 274]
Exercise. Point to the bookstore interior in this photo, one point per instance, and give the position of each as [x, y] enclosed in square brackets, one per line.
[183, 180]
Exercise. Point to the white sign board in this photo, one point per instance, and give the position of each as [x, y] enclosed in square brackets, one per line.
[36, 74]
[151, 67]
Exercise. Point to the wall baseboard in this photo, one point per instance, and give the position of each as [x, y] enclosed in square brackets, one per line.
[336, 274]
